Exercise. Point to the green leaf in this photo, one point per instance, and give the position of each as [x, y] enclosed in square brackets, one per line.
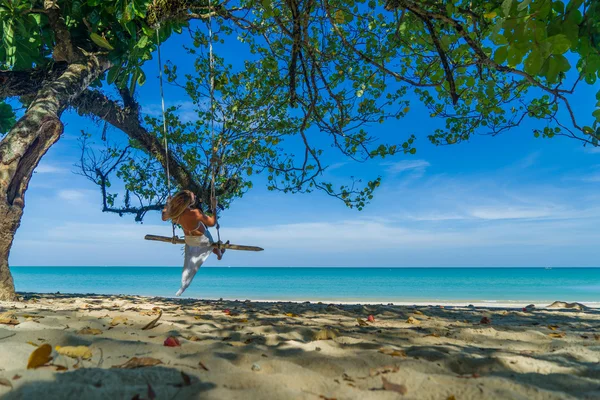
[141, 78]
[506, 5]
[143, 42]
[596, 114]
[7, 118]
[113, 74]
[523, 5]
[534, 62]
[100, 41]
[501, 54]
[559, 44]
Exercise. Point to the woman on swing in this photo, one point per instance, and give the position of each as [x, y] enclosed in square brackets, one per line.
[198, 240]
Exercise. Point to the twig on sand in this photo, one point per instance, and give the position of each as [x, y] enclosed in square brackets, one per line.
[6, 337]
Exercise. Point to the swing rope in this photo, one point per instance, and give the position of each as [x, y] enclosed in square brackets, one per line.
[213, 193]
[164, 116]
[213, 159]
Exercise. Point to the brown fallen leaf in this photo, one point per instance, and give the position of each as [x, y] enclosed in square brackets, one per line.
[553, 327]
[392, 352]
[291, 314]
[32, 316]
[16, 377]
[187, 381]
[241, 320]
[152, 323]
[384, 370]
[8, 318]
[325, 334]
[6, 382]
[82, 352]
[33, 344]
[326, 398]
[193, 338]
[201, 365]
[151, 394]
[40, 356]
[361, 322]
[433, 335]
[485, 321]
[413, 321]
[451, 397]
[139, 362]
[417, 312]
[89, 331]
[557, 335]
[118, 320]
[387, 385]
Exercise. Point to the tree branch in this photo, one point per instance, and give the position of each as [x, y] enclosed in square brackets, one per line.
[93, 103]
[24, 83]
[63, 49]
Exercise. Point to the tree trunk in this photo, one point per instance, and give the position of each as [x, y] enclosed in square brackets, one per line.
[24, 146]
[10, 218]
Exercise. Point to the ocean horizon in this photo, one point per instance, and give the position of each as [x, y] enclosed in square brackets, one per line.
[505, 285]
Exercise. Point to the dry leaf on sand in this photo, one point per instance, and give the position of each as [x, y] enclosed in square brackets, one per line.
[118, 320]
[6, 382]
[392, 352]
[172, 341]
[413, 321]
[40, 356]
[201, 365]
[361, 322]
[325, 334]
[89, 331]
[152, 323]
[187, 381]
[8, 318]
[384, 370]
[557, 335]
[291, 315]
[387, 385]
[82, 352]
[139, 362]
[485, 321]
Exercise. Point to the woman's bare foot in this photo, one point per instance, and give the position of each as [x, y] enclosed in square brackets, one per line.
[220, 252]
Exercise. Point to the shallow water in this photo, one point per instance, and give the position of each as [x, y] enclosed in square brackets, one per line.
[325, 284]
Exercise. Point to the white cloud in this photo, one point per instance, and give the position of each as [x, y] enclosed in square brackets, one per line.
[413, 166]
[592, 150]
[187, 110]
[591, 178]
[50, 169]
[508, 212]
[72, 195]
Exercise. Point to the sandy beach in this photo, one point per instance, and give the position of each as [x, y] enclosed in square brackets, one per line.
[282, 350]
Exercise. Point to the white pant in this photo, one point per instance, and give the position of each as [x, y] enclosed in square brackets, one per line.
[197, 250]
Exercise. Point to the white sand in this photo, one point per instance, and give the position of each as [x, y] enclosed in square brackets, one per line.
[259, 352]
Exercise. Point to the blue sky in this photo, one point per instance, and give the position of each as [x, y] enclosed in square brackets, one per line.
[511, 200]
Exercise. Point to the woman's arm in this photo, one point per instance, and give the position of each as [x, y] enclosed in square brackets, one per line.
[207, 220]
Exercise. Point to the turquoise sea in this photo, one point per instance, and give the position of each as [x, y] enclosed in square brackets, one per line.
[384, 285]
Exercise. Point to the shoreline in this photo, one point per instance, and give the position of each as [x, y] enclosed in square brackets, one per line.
[512, 304]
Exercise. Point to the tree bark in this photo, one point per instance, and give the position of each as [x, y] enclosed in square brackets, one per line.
[24, 146]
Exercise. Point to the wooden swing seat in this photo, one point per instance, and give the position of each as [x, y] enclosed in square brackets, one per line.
[178, 240]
